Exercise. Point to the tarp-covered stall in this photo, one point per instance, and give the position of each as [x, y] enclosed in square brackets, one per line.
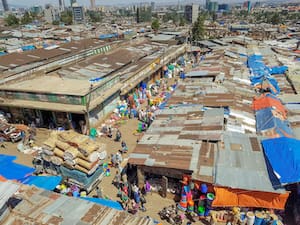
[227, 197]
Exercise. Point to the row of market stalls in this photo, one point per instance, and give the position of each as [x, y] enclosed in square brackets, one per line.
[211, 131]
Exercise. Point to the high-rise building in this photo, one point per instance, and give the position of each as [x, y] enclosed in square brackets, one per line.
[72, 2]
[93, 4]
[213, 6]
[5, 5]
[143, 13]
[247, 5]
[78, 14]
[191, 13]
[152, 6]
[207, 4]
[51, 14]
[224, 7]
[62, 5]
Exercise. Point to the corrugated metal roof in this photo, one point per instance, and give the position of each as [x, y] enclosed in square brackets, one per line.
[240, 163]
[178, 138]
[7, 189]
[45, 207]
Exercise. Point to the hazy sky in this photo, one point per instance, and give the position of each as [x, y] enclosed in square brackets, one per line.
[100, 2]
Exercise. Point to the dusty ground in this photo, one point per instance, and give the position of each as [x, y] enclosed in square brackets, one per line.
[128, 127]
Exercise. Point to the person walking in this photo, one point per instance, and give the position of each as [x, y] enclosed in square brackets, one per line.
[118, 135]
[124, 148]
[117, 179]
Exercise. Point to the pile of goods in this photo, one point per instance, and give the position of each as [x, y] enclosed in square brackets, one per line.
[73, 151]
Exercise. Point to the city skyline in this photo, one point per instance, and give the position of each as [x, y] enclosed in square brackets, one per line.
[110, 2]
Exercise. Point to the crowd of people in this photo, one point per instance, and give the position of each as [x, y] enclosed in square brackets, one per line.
[131, 196]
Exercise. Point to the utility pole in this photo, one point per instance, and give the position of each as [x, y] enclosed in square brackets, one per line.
[89, 96]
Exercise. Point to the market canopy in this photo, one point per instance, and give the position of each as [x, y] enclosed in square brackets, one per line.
[227, 197]
[283, 154]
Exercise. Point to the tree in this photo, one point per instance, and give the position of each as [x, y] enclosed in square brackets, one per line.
[94, 16]
[11, 20]
[55, 22]
[27, 18]
[67, 17]
[182, 21]
[198, 30]
[155, 25]
[275, 19]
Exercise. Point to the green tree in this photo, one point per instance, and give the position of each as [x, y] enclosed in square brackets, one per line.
[94, 16]
[198, 30]
[155, 25]
[66, 17]
[181, 21]
[55, 22]
[27, 18]
[275, 18]
[11, 20]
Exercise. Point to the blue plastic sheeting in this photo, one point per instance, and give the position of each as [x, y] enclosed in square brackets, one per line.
[105, 202]
[164, 103]
[265, 120]
[278, 70]
[2, 53]
[28, 47]
[261, 73]
[97, 79]
[11, 170]
[46, 182]
[106, 36]
[284, 157]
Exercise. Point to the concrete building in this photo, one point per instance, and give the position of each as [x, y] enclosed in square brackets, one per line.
[191, 13]
[84, 86]
[72, 2]
[62, 5]
[93, 4]
[213, 6]
[224, 7]
[5, 5]
[78, 14]
[143, 13]
[51, 14]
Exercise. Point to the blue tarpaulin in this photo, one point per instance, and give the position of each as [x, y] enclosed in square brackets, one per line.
[45, 182]
[284, 157]
[105, 202]
[11, 170]
[265, 120]
[107, 36]
[278, 70]
[260, 73]
[28, 47]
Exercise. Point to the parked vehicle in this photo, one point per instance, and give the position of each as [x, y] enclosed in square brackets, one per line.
[9, 133]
